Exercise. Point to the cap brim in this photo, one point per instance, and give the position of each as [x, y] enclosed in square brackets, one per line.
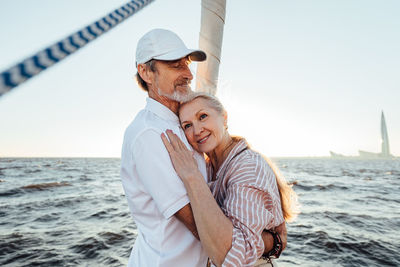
[194, 55]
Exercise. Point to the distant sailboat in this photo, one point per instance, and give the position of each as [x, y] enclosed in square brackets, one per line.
[385, 138]
[336, 155]
[385, 152]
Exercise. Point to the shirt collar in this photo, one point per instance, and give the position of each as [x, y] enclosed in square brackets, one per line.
[237, 149]
[160, 110]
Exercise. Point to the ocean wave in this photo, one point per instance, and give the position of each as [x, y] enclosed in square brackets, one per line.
[32, 171]
[360, 221]
[348, 251]
[11, 167]
[374, 253]
[111, 238]
[395, 173]
[48, 217]
[380, 198]
[349, 174]
[68, 169]
[17, 242]
[89, 247]
[43, 186]
[50, 259]
[320, 187]
[84, 177]
[113, 198]
[111, 261]
[3, 214]
[69, 202]
[25, 251]
[346, 218]
[100, 214]
[11, 192]
[331, 187]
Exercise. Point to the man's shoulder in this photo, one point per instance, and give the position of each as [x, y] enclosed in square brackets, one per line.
[145, 121]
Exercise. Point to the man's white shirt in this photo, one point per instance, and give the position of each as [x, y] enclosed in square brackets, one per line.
[155, 192]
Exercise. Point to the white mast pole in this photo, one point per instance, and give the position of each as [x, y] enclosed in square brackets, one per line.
[210, 41]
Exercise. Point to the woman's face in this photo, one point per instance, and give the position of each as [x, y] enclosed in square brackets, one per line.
[204, 126]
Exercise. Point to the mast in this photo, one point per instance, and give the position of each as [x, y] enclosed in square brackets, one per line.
[210, 41]
[385, 138]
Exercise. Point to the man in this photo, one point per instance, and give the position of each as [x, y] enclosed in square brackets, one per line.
[156, 196]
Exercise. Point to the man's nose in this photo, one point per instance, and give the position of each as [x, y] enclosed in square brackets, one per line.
[187, 73]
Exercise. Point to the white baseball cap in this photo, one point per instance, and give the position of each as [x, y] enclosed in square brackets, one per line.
[163, 44]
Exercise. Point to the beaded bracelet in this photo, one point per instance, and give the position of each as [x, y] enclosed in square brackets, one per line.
[276, 250]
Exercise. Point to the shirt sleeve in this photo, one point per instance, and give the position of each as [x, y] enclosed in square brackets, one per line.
[245, 205]
[154, 168]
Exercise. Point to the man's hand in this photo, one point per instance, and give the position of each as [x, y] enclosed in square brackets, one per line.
[282, 231]
[185, 215]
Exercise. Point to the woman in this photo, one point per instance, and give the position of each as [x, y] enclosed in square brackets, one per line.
[241, 198]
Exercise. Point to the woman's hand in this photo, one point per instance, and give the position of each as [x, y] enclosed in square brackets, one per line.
[182, 158]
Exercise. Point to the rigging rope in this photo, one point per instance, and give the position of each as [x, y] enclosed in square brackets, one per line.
[33, 65]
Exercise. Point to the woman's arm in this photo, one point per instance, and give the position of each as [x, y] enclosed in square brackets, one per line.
[235, 240]
[214, 228]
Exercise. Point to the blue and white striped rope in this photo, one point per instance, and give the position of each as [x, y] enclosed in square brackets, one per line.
[33, 65]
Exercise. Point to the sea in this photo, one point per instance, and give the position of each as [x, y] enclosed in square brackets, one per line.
[73, 212]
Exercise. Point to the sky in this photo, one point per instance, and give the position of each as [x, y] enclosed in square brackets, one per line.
[298, 78]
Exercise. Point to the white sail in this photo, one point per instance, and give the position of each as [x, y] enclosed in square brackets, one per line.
[384, 154]
[385, 138]
[210, 41]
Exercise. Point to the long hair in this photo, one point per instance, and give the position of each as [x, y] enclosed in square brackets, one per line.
[289, 203]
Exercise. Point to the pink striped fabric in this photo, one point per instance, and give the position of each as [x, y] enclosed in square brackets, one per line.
[246, 190]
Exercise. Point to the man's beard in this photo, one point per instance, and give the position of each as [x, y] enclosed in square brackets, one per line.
[177, 95]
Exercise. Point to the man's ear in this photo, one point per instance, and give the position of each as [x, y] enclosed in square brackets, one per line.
[145, 73]
[225, 119]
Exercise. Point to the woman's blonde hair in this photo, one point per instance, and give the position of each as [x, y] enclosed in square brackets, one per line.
[289, 203]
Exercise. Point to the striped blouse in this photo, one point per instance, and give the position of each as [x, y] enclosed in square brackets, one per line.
[246, 190]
